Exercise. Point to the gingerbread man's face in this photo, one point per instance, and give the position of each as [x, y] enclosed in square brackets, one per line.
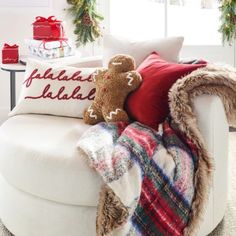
[121, 63]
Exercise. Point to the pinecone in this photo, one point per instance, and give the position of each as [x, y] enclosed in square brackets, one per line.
[86, 20]
[72, 2]
[232, 18]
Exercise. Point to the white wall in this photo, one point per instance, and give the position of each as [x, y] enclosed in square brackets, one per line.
[15, 26]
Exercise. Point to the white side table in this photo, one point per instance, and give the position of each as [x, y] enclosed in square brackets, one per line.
[13, 69]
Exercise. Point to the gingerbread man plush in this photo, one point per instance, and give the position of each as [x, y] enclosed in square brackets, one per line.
[112, 87]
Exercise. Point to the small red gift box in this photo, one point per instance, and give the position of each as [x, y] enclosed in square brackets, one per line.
[47, 28]
[10, 54]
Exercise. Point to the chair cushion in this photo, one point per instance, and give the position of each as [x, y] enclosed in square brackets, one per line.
[168, 48]
[38, 155]
[55, 90]
[158, 76]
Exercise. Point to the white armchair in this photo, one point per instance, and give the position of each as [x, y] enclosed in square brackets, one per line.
[52, 194]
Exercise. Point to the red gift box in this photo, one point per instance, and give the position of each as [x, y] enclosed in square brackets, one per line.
[10, 54]
[47, 28]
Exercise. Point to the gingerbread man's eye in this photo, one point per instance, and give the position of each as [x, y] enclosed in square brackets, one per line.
[116, 63]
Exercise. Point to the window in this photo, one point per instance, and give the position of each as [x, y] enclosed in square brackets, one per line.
[196, 20]
[138, 19]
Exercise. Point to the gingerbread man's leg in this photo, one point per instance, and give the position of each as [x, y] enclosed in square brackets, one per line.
[114, 114]
[93, 115]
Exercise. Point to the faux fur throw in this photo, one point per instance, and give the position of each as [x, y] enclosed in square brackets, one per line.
[157, 182]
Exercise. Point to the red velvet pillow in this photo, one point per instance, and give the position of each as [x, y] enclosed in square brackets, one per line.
[149, 104]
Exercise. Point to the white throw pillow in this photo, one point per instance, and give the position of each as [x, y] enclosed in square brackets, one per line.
[55, 90]
[168, 48]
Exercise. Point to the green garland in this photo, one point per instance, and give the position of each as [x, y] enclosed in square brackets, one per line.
[228, 20]
[86, 20]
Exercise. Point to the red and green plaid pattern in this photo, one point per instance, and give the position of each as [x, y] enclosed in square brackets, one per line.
[164, 205]
[162, 209]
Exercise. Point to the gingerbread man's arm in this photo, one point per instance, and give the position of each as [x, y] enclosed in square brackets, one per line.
[98, 75]
[133, 79]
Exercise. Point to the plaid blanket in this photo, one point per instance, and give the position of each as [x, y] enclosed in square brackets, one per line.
[150, 172]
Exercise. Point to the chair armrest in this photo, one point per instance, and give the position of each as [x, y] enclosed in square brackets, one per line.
[95, 61]
[214, 127]
[212, 120]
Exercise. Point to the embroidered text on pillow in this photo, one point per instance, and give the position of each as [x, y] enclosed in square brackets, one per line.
[60, 77]
[60, 96]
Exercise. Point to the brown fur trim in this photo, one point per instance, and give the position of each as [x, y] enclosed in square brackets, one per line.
[111, 213]
[212, 80]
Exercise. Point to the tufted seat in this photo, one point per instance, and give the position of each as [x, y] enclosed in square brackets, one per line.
[49, 166]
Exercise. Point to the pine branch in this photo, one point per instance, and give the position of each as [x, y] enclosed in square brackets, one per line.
[86, 20]
[228, 20]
